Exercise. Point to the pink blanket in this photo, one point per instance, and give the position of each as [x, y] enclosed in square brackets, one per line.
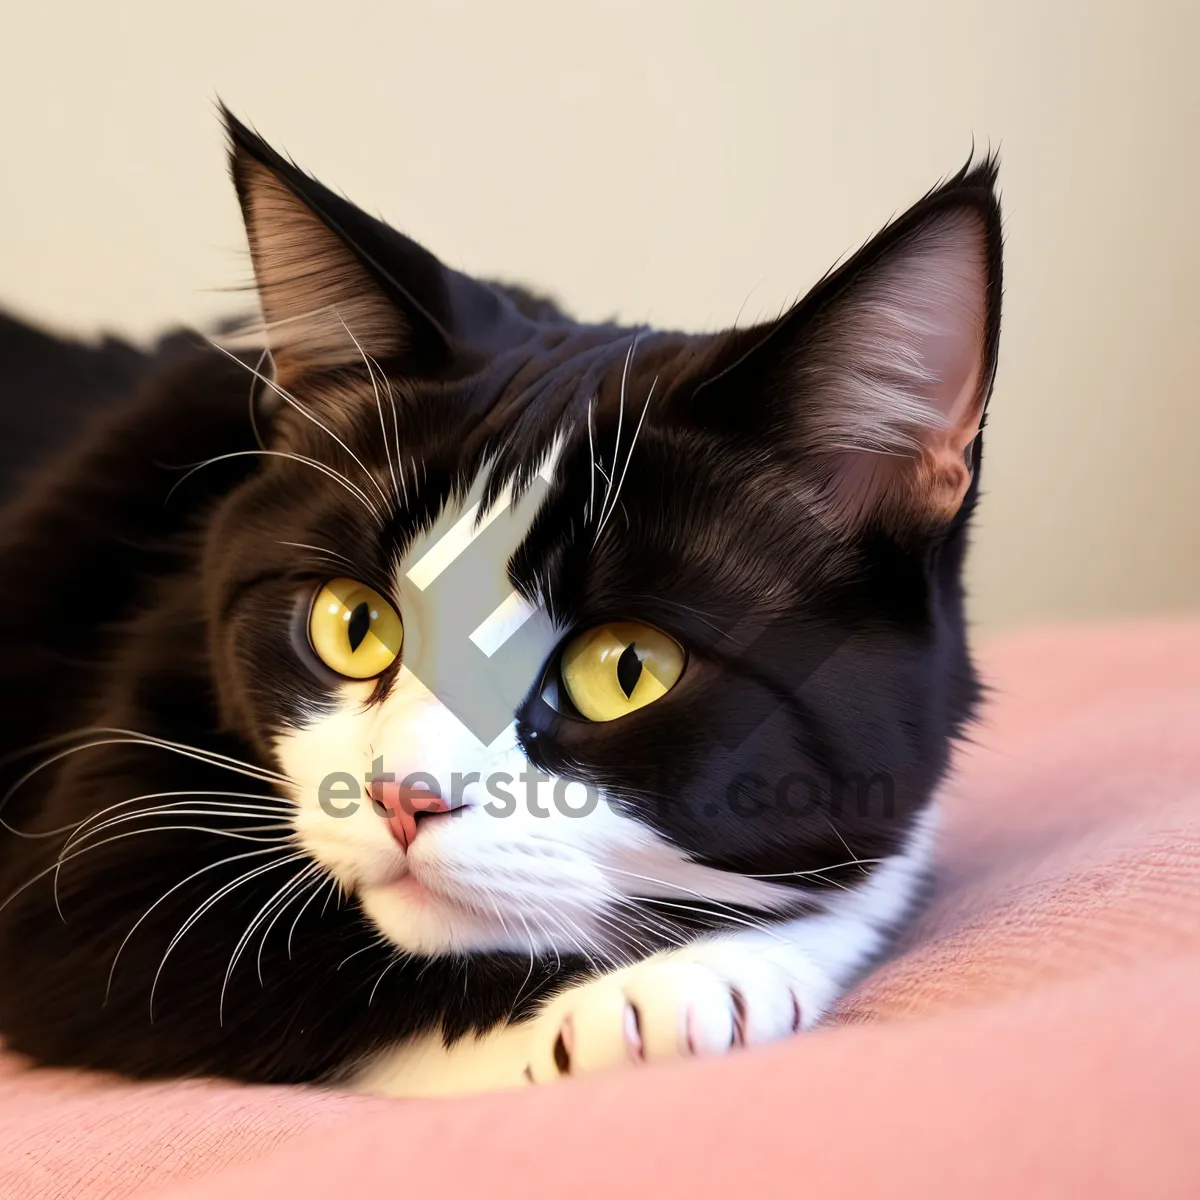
[1037, 1036]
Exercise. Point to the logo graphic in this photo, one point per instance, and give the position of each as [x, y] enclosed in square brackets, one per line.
[488, 643]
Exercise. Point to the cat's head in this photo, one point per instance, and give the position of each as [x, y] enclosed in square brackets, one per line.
[672, 623]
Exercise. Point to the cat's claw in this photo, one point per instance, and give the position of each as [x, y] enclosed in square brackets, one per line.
[704, 1000]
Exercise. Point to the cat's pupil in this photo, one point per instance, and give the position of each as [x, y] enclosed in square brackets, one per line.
[359, 625]
[629, 669]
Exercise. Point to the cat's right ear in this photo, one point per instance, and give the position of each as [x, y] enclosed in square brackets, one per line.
[334, 283]
[876, 383]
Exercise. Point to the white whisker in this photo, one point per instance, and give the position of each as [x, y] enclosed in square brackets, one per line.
[647, 923]
[244, 940]
[173, 811]
[841, 839]
[323, 468]
[676, 887]
[130, 738]
[199, 912]
[391, 395]
[606, 953]
[229, 801]
[854, 862]
[319, 550]
[397, 958]
[620, 422]
[528, 974]
[591, 504]
[296, 920]
[564, 924]
[169, 892]
[732, 918]
[304, 412]
[263, 356]
[549, 941]
[604, 519]
[310, 876]
[231, 834]
[379, 408]
[378, 941]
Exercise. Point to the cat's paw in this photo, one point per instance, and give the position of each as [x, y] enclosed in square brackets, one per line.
[705, 1000]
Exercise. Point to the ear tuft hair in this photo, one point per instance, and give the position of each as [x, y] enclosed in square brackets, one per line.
[880, 376]
[895, 373]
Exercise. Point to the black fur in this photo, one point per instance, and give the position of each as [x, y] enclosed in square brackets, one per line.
[137, 596]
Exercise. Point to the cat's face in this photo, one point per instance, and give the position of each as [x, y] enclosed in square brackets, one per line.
[670, 625]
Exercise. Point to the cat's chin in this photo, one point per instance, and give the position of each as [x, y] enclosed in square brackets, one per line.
[416, 918]
[413, 890]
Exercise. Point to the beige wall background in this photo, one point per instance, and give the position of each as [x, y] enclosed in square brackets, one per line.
[681, 163]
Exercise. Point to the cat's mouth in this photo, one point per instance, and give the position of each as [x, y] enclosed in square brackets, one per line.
[409, 811]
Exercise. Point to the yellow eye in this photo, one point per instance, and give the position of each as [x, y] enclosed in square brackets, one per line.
[613, 669]
[354, 630]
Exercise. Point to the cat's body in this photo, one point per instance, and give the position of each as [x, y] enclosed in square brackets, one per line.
[698, 840]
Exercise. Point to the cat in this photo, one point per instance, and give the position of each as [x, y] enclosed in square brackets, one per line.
[426, 692]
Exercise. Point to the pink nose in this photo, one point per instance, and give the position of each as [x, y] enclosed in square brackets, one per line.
[405, 806]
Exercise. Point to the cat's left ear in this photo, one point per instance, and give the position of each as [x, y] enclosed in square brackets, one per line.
[878, 380]
[333, 282]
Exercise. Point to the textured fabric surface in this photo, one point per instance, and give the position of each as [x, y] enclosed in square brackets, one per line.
[1036, 1035]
